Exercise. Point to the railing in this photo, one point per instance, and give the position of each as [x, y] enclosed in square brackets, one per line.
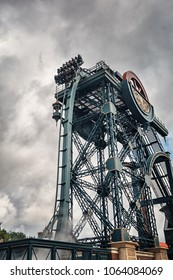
[41, 249]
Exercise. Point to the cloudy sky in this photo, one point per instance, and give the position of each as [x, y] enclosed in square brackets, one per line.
[36, 37]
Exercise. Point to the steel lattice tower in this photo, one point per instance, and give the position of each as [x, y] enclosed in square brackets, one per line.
[112, 167]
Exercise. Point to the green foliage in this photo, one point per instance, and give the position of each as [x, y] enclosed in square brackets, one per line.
[11, 235]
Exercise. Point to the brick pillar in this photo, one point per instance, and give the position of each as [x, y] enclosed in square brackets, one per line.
[160, 253]
[126, 249]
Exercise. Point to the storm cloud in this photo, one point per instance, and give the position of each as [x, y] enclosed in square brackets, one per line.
[36, 37]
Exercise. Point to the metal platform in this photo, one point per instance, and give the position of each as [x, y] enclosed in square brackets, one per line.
[39, 249]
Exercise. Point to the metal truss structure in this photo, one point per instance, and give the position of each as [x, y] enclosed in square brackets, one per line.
[112, 167]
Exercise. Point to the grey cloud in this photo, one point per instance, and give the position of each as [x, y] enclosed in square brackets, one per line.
[37, 36]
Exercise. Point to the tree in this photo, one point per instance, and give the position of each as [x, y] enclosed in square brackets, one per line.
[11, 235]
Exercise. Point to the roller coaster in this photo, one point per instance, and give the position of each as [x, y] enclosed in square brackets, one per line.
[112, 168]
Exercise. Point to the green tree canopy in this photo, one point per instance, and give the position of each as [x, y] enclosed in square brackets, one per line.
[11, 235]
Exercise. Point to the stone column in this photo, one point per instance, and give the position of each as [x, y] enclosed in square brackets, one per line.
[126, 249]
[160, 253]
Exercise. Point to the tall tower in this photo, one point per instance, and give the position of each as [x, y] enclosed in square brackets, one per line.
[112, 167]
